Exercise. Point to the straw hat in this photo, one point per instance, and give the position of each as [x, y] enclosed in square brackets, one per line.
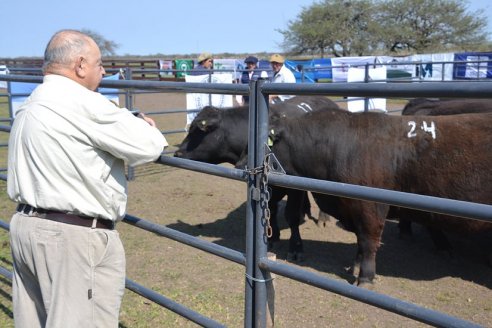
[277, 59]
[204, 56]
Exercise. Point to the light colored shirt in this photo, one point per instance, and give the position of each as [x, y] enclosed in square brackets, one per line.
[284, 75]
[68, 146]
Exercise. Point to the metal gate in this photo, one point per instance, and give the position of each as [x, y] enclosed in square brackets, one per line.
[257, 266]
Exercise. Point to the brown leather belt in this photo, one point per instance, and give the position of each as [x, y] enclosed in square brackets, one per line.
[79, 220]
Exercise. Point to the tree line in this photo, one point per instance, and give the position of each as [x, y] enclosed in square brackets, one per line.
[342, 28]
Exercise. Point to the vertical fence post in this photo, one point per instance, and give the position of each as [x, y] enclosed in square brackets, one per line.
[256, 240]
[366, 80]
[129, 106]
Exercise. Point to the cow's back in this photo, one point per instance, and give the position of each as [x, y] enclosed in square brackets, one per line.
[446, 156]
[433, 107]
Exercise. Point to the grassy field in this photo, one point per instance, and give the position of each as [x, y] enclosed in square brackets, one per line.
[6, 210]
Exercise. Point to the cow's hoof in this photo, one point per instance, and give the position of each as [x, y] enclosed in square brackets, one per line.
[365, 283]
[291, 257]
[295, 256]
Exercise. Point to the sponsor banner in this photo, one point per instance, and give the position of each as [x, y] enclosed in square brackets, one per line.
[341, 66]
[433, 67]
[473, 65]
[234, 67]
[166, 67]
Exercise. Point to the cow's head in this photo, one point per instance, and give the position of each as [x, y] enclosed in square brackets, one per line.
[204, 135]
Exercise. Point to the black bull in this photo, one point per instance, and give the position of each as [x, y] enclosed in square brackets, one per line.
[444, 156]
[221, 136]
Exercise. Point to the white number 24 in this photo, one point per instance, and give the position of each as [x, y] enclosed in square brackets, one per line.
[425, 127]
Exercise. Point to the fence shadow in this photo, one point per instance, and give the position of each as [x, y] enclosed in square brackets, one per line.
[414, 259]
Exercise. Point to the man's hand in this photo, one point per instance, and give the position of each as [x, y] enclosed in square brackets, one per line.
[147, 119]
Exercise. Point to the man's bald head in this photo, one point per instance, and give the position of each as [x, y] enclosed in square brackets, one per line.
[75, 55]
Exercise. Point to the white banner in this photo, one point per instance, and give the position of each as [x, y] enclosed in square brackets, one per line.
[341, 65]
[429, 70]
[196, 101]
[232, 66]
[358, 75]
[3, 70]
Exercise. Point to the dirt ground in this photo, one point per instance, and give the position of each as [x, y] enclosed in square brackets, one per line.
[213, 209]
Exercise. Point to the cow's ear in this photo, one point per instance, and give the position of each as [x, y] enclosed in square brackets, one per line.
[207, 125]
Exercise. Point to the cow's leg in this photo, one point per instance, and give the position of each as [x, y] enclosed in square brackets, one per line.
[440, 240]
[405, 229]
[355, 269]
[276, 195]
[369, 232]
[294, 213]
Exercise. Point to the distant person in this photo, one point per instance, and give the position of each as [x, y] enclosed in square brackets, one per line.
[281, 74]
[66, 171]
[205, 64]
[250, 74]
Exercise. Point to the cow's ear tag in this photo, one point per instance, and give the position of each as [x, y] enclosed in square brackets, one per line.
[203, 125]
[270, 139]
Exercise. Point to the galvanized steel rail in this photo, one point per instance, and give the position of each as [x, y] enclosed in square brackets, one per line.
[258, 268]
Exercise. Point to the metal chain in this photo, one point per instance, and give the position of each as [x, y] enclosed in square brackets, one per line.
[263, 186]
[266, 199]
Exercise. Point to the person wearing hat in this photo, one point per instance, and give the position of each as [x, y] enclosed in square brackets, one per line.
[281, 74]
[205, 63]
[250, 74]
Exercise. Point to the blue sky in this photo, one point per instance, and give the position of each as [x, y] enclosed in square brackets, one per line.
[147, 27]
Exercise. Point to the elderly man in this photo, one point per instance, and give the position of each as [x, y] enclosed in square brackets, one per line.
[281, 74]
[66, 170]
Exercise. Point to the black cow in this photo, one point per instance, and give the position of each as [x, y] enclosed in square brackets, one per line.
[436, 107]
[221, 136]
[444, 156]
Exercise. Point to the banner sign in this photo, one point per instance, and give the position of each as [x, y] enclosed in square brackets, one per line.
[196, 101]
[358, 75]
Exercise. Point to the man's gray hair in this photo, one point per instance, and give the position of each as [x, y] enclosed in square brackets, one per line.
[64, 47]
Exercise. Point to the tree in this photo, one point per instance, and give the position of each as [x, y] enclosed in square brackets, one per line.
[107, 47]
[340, 27]
[431, 25]
[365, 27]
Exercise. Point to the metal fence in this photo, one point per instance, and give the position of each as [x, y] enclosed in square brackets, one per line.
[258, 267]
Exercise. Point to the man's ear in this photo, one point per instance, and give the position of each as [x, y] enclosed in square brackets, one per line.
[80, 67]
